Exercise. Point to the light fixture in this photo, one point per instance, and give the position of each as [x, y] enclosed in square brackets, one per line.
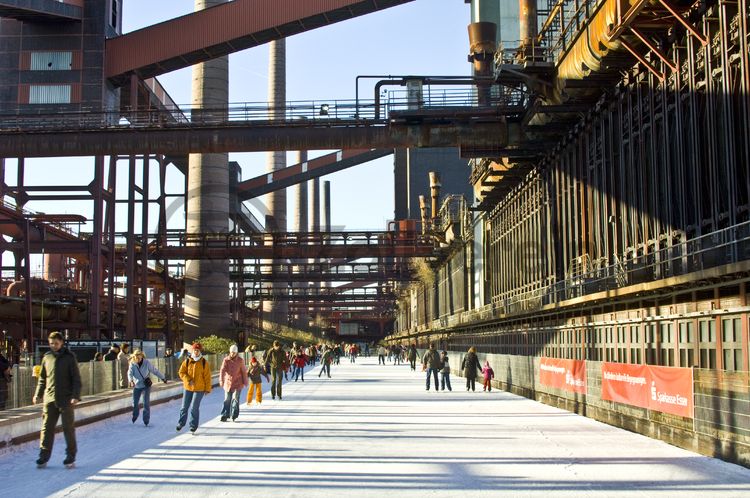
[324, 110]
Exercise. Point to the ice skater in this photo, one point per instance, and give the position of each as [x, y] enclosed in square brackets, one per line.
[470, 366]
[195, 373]
[445, 372]
[254, 374]
[431, 363]
[59, 388]
[233, 378]
[325, 361]
[139, 378]
[411, 355]
[488, 374]
[300, 361]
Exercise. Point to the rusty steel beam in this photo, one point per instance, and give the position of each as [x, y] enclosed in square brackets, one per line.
[181, 141]
[302, 172]
[223, 30]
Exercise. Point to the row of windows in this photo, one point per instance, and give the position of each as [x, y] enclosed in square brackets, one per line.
[683, 343]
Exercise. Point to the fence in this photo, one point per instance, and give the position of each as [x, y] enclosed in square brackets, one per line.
[97, 377]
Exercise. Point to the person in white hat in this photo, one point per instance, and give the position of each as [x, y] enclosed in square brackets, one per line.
[233, 378]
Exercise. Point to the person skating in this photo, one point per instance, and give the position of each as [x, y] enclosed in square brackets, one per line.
[59, 388]
[276, 360]
[381, 355]
[412, 356]
[325, 362]
[233, 379]
[445, 372]
[300, 361]
[353, 353]
[139, 378]
[470, 366]
[195, 373]
[431, 363]
[488, 374]
[256, 385]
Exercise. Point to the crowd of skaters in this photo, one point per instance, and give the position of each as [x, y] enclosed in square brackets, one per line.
[59, 381]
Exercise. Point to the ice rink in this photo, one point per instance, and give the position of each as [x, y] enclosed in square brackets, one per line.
[370, 431]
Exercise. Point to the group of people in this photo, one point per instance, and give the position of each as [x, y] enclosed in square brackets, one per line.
[398, 354]
[432, 363]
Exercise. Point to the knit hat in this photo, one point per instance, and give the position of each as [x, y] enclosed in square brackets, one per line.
[233, 348]
[197, 346]
[254, 360]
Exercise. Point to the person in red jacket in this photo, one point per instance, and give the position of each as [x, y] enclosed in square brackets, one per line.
[299, 362]
[233, 378]
[488, 374]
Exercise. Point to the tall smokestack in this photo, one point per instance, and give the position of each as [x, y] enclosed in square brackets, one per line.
[528, 26]
[326, 206]
[300, 214]
[207, 282]
[315, 205]
[482, 48]
[277, 311]
[435, 192]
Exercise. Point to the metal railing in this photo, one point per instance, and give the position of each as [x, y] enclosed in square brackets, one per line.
[292, 113]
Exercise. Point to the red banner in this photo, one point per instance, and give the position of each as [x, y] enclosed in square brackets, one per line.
[663, 389]
[625, 383]
[672, 390]
[569, 375]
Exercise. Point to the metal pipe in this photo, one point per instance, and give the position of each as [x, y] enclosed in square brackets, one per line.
[326, 206]
[435, 191]
[482, 48]
[528, 26]
[300, 214]
[423, 211]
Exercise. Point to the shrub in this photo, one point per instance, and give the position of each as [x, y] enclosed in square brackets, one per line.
[215, 345]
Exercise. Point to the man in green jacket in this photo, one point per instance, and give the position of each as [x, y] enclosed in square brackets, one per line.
[431, 363]
[59, 388]
[278, 361]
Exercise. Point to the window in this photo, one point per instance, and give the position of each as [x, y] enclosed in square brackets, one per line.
[707, 345]
[731, 335]
[51, 61]
[635, 344]
[666, 344]
[687, 344]
[49, 94]
[652, 344]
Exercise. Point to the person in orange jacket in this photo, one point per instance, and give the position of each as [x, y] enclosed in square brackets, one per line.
[195, 373]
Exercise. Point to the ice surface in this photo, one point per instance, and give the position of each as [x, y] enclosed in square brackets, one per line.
[370, 431]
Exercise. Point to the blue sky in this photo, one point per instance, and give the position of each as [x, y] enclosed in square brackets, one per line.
[423, 37]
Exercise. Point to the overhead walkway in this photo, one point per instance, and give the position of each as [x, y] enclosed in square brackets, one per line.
[372, 431]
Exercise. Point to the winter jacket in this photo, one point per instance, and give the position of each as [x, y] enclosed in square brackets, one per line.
[276, 358]
[233, 375]
[139, 373]
[470, 365]
[110, 356]
[254, 373]
[412, 354]
[446, 366]
[124, 360]
[197, 372]
[59, 378]
[327, 357]
[5, 374]
[382, 351]
[488, 373]
[300, 360]
[431, 358]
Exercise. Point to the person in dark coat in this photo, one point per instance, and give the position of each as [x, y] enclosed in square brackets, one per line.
[412, 356]
[471, 366]
[111, 355]
[59, 388]
[5, 377]
[277, 362]
[431, 363]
